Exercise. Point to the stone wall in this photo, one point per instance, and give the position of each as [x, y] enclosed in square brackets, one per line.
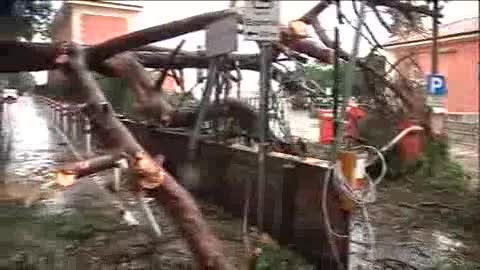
[463, 132]
[293, 213]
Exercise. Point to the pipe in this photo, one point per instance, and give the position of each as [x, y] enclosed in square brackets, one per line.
[149, 214]
[400, 136]
[394, 141]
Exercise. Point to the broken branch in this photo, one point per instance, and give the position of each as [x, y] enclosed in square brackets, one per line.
[315, 11]
[381, 20]
[404, 8]
[90, 166]
[171, 57]
[177, 202]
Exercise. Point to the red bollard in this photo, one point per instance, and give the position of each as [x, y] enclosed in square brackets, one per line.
[410, 146]
[326, 126]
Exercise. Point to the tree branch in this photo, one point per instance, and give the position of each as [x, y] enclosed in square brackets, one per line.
[396, 63]
[177, 202]
[161, 32]
[346, 56]
[90, 166]
[365, 24]
[163, 75]
[404, 8]
[381, 20]
[313, 13]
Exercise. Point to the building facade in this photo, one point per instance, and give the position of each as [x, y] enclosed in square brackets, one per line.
[458, 61]
[92, 22]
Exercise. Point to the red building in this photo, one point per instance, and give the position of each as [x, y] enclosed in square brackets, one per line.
[458, 58]
[92, 22]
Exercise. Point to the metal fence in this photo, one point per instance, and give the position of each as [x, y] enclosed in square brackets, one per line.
[276, 113]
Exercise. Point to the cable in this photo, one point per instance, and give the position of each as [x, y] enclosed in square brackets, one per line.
[360, 197]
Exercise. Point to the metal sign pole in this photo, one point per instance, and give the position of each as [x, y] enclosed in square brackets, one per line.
[434, 39]
[265, 85]
[261, 24]
[349, 75]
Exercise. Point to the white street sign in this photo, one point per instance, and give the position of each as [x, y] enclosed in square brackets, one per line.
[221, 37]
[262, 20]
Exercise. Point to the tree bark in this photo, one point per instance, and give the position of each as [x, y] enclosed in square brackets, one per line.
[153, 34]
[90, 166]
[178, 203]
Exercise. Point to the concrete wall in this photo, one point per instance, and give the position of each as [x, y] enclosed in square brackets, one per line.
[108, 21]
[293, 212]
[85, 22]
[92, 22]
[462, 132]
[111, 27]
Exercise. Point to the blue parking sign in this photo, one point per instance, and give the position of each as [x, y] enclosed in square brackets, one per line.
[436, 85]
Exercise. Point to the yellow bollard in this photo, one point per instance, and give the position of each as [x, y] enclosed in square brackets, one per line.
[359, 179]
[347, 161]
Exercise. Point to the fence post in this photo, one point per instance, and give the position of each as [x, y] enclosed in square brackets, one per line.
[289, 190]
[88, 136]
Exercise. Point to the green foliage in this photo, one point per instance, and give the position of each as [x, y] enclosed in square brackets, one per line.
[117, 92]
[323, 75]
[56, 91]
[37, 16]
[438, 171]
[23, 81]
[402, 22]
[81, 226]
[278, 259]
[25, 18]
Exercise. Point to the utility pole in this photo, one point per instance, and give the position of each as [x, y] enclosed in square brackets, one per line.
[434, 38]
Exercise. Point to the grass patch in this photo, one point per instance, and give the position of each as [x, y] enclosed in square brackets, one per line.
[278, 259]
[436, 171]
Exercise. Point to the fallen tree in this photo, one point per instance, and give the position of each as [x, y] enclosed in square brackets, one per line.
[414, 106]
[128, 56]
[151, 176]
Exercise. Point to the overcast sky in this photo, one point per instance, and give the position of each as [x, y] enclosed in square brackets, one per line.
[158, 12]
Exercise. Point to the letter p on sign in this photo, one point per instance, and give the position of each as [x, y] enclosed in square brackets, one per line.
[436, 85]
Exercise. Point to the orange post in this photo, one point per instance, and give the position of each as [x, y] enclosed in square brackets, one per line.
[347, 160]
